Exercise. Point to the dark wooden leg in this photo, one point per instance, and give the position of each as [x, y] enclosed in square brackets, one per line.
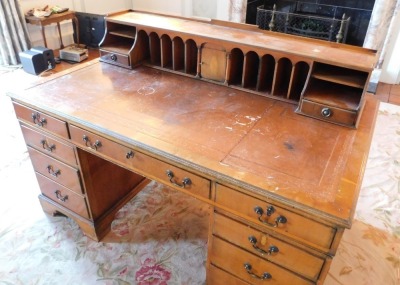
[43, 35]
[75, 19]
[59, 34]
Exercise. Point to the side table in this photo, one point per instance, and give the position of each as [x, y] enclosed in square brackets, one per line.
[54, 18]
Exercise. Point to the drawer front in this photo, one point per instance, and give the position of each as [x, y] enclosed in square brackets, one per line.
[334, 115]
[216, 276]
[41, 120]
[268, 247]
[235, 260]
[63, 196]
[143, 164]
[279, 219]
[49, 145]
[115, 58]
[56, 170]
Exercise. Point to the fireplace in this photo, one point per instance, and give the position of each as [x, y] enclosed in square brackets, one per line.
[333, 20]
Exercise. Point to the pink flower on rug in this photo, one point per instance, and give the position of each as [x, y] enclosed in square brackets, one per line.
[152, 274]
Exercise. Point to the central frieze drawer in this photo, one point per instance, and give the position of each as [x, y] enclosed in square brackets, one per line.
[268, 247]
[41, 120]
[141, 163]
[276, 218]
[55, 170]
[62, 195]
[250, 267]
[49, 144]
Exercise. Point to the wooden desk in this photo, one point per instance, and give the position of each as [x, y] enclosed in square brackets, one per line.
[283, 187]
[54, 18]
[242, 153]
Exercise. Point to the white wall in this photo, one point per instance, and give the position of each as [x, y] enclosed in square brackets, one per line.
[90, 6]
[391, 65]
[172, 7]
[187, 8]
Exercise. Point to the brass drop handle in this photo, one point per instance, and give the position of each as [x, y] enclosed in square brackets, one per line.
[264, 276]
[97, 144]
[46, 146]
[37, 120]
[272, 249]
[53, 172]
[270, 210]
[130, 154]
[185, 181]
[60, 196]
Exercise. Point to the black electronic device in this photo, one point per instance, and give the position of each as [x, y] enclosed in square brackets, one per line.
[91, 29]
[37, 59]
[48, 56]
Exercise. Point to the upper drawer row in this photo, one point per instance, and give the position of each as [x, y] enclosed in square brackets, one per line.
[139, 162]
[143, 164]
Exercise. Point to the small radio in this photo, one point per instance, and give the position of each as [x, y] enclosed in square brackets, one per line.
[74, 53]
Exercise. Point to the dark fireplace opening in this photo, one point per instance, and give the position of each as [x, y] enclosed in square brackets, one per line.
[332, 20]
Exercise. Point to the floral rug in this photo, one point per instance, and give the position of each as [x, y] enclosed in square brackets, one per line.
[160, 236]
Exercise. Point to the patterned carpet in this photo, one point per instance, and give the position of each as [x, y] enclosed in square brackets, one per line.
[160, 237]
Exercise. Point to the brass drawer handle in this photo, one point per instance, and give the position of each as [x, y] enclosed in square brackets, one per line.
[113, 57]
[326, 112]
[60, 196]
[46, 146]
[97, 144]
[272, 249]
[130, 154]
[185, 181]
[53, 172]
[37, 120]
[264, 276]
[270, 210]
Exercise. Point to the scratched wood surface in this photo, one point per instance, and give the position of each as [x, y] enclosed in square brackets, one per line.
[239, 138]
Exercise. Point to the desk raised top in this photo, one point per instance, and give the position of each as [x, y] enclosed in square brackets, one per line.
[241, 34]
[232, 137]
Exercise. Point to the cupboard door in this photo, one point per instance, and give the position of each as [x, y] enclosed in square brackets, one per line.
[213, 62]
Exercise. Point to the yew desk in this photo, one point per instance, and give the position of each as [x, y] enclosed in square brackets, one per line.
[54, 19]
[282, 187]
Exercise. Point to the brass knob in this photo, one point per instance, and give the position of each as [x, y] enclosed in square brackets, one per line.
[326, 112]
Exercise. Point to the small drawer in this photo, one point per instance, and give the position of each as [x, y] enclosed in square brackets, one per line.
[115, 58]
[62, 195]
[49, 144]
[249, 267]
[56, 170]
[276, 218]
[268, 247]
[216, 276]
[142, 164]
[41, 120]
[327, 113]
